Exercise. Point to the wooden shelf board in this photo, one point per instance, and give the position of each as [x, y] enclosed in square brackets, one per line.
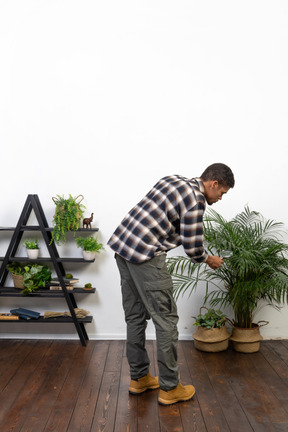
[41, 320]
[48, 259]
[37, 228]
[15, 292]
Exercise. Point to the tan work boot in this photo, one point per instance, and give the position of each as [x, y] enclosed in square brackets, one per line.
[179, 394]
[143, 384]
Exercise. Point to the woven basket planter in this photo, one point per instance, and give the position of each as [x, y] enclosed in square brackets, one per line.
[247, 340]
[211, 340]
[18, 281]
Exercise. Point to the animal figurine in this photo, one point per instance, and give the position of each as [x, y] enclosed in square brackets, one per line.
[87, 221]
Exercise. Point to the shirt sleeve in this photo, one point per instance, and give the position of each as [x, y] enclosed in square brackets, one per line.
[191, 231]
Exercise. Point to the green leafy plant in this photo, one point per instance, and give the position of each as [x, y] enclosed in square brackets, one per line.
[89, 244]
[35, 276]
[211, 319]
[16, 268]
[255, 275]
[31, 244]
[88, 285]
[67, 216]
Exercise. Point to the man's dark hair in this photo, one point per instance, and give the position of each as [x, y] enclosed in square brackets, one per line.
[220, 172]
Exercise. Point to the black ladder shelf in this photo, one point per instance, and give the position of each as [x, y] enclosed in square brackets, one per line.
[33, 203]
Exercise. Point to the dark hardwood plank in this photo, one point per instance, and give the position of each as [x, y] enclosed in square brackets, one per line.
[105, 413]
[12, 354]
[275, 376]
[232, 410]
[18, 379]
[278, 385]
[212, 412]
[147, 402]
[169, 416]
[285, 343]
[250, 389]
[40, 411]
[126, 419]
[27, 396]
[191, 413]
[279, 352]
[82, 417]
[62, 410]
[114, 357]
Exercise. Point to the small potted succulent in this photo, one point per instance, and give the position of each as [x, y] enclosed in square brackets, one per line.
[90, 247]
[88, 287]
[32, 248]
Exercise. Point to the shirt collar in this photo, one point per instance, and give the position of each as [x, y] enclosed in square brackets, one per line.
[199, 183]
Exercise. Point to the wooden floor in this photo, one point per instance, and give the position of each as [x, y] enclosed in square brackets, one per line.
[60, 386]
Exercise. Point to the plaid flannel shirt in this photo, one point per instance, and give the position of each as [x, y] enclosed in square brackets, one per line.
[170, 214]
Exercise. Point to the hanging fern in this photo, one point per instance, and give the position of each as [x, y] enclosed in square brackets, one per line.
[67, 216]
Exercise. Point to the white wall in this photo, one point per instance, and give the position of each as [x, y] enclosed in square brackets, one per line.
[102, 98]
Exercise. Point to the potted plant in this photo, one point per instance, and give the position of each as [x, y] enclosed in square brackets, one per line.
[67, 216]
[90, 247]
[255, 275]
[32, 248]
[87, 287]
[17, 270]
[29, 277]
[35, 276]
[211, 334]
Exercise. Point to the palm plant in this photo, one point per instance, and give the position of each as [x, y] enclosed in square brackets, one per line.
[255, 275]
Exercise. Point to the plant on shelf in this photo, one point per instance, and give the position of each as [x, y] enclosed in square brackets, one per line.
[31, 244]
[16, 268]
[33, 276]
[255, 275]
[32, 248]
[67, 216]
[211, 334]
[90, 246]
[88, 287]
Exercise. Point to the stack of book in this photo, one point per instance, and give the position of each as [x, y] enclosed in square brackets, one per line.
[69, 283]
[25, 314]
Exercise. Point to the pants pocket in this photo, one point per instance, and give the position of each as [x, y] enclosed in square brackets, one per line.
[160, 296]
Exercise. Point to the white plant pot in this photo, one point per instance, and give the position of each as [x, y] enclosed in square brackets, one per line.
[89, 256]
[32, 253]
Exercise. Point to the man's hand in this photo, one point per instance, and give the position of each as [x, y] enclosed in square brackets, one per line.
[214, 261]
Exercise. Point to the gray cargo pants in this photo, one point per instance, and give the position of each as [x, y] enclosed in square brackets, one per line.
[147, 293]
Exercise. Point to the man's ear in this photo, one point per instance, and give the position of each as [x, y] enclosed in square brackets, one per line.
[214, 184]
